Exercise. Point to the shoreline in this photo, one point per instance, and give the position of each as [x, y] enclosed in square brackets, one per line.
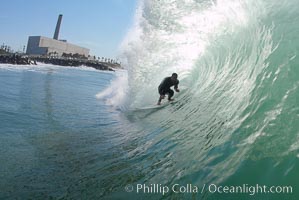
[16, 59]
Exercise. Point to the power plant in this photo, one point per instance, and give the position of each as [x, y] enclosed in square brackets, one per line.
[40, 45]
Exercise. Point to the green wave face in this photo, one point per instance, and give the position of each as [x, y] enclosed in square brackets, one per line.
[238, 66]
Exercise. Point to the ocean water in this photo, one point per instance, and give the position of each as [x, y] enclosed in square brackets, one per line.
[52, 131]
[233, 132]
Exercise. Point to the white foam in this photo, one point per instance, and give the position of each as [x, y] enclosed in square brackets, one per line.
[115, 94]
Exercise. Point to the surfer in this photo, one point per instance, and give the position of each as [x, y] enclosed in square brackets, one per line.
[164, 87]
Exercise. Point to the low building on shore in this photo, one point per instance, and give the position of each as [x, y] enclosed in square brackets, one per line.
[40, 45]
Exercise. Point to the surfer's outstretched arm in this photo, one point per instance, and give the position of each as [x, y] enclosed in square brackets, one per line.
[176, 87]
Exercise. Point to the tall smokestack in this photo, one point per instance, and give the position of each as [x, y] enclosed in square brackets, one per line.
[57, 27]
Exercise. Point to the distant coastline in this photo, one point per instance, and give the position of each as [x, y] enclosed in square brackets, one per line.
[23, 59]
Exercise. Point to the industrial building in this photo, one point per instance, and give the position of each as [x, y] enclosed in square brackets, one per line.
[40, 45]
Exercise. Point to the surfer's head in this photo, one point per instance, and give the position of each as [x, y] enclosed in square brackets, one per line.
[174, 76]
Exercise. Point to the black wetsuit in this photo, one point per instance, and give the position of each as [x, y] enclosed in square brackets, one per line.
[164, 87]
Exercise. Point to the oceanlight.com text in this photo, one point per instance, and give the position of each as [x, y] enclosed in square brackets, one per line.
[250, 189]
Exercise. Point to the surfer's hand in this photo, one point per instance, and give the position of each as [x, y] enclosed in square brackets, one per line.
[177, 90]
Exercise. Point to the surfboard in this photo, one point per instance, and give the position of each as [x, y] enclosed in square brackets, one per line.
[156, 106]
[152, 107]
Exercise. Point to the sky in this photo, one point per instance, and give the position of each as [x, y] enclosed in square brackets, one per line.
[99, 25]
